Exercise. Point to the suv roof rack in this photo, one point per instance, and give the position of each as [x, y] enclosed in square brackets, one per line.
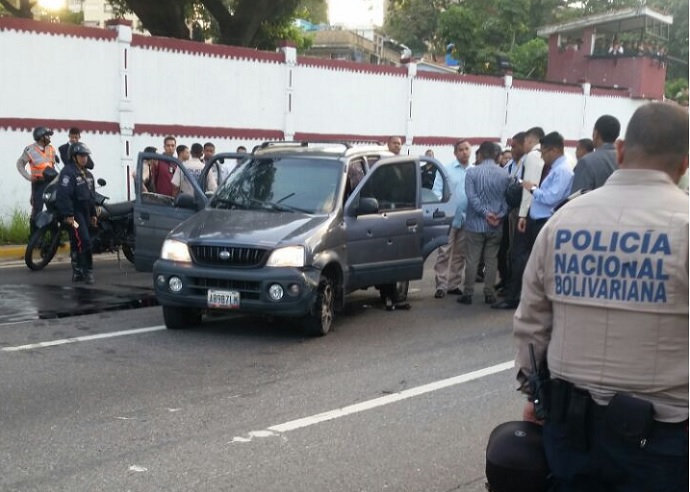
[303, 143]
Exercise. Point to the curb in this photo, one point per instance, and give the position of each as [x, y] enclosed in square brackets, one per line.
[16, 251]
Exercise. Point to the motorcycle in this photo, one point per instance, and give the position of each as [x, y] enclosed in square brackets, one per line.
[114, 230]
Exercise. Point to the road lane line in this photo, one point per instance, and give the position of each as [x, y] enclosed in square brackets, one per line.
[376, 402]
[85, 338]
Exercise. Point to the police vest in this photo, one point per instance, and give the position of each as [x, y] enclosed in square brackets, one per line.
[39, 159]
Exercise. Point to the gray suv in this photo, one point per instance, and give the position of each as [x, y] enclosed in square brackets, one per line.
[293, 229]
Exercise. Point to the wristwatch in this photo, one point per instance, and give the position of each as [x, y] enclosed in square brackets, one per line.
[534, 187]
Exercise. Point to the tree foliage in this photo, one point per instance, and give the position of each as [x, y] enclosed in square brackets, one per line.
[255, 23]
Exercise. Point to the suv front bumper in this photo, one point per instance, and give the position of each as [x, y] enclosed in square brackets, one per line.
[299, 286]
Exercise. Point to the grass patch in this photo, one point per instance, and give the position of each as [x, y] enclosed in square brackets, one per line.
[16, 230]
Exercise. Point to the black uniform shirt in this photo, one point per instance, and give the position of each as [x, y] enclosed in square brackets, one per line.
[74, 192]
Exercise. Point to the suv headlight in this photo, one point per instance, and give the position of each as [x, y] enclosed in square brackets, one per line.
[289, 256]
[175, 251]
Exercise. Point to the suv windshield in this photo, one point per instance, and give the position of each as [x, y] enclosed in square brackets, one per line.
[285, 184]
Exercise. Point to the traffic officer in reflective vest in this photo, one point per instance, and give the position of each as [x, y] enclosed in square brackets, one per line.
[75, 203]
[38, 156]
[605, 303]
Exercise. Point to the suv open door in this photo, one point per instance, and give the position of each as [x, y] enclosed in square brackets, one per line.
[156, 214]
[384, 225]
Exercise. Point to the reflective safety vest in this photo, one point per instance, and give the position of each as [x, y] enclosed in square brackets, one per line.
[39, 159]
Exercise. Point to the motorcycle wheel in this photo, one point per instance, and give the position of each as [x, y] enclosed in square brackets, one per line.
[128, 248]
[42, 246]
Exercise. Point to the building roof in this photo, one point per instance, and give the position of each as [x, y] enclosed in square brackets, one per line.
[620, 21]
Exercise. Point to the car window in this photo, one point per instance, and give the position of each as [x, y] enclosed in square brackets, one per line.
[356, 169]
[154, 182]
[281, 184]
[394, 186]
[430, 174]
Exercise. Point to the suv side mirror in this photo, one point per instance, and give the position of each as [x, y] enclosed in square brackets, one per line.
[367, 206]
[185, 200]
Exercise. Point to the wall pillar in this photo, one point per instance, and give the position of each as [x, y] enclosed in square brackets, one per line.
[409, 121]
[289, 51]
[586, 94]
[507, 85]
[125, 111]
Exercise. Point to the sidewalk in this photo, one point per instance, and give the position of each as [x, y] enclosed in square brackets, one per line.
[16, 251]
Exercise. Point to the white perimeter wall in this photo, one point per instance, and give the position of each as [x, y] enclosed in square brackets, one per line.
[129, 92]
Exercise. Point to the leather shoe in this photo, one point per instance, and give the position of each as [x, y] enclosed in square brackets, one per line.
[489, 300]
[505, 304]
[456, 291]
[440, 294]
[465, 299]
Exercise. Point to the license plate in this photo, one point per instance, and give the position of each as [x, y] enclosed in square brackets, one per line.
[223, 299]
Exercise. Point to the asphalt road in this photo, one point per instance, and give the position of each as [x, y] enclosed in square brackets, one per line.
[400, 401]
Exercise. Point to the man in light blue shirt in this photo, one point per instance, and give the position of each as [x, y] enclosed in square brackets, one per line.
[450, 262]
[557, 179]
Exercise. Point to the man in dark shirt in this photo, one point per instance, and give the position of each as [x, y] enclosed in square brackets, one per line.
[593, 169]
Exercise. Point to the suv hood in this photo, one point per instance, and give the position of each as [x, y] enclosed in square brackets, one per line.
[246, 227]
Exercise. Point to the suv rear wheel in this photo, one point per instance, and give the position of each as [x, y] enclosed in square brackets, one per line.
[178, 318]
[320, 319]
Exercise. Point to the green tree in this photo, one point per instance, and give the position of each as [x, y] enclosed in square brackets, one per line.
[530, 58]
[414, 23]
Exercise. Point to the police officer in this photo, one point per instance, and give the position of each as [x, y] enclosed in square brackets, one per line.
[605, 302]
[39, 156]
[75, 203]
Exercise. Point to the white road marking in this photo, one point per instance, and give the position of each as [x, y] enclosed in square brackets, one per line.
[376, 402]
[85, 338]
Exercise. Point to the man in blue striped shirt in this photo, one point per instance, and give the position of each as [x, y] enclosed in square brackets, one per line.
[485, 187]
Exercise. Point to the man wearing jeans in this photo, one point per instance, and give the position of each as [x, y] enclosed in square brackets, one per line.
[485, 187]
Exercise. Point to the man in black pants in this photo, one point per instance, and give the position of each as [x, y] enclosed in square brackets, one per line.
[75, 203]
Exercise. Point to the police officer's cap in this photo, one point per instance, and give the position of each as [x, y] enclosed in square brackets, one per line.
[515, 458]
[40, 132]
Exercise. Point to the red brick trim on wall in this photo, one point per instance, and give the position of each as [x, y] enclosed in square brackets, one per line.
[28, 124]
[461, 79]
[198, 48]
[209, 132]
[54, 28]
[350, 66]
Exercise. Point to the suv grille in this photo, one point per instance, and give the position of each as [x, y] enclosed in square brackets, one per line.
[247, 289]
[228, 256]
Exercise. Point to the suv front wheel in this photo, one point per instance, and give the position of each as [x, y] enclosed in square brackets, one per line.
[320, 319]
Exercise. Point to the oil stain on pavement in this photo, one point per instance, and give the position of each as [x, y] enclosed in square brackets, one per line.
[29, 302]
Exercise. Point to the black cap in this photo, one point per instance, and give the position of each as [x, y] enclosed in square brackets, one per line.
[553, 140]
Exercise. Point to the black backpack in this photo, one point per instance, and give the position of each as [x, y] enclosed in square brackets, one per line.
[514, 190]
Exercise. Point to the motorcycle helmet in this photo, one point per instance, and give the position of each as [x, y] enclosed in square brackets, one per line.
[40, 132]
[515, 458]
[78, 148]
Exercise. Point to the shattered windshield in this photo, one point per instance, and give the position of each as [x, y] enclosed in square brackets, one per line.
[289, 184]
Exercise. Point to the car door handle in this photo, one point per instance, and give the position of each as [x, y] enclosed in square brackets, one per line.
[438, 214]
[411, 222]
[144, 216]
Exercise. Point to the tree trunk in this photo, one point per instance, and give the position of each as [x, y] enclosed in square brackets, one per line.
[23, 11]
[163, 17]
